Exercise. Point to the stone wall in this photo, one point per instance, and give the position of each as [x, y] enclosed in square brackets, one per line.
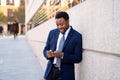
[99, 23]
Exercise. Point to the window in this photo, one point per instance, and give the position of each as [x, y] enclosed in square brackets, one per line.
[10, 2]
[0, 2]
[22, 2]
[10, 14]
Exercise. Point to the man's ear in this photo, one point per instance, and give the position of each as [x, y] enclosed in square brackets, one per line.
[68, 21]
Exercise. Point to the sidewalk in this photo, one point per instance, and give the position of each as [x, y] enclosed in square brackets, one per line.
[17, 61]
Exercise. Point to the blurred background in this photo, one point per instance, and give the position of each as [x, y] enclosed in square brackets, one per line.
[11, 10]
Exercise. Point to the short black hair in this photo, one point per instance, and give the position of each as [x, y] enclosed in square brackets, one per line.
[62, 15]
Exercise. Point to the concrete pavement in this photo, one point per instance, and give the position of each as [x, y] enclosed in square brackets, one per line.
[17, 60]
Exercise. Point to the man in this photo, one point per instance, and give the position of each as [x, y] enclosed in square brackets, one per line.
[61, 62]
[1, 30]
[15, 29]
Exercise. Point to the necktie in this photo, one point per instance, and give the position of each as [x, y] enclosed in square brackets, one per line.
[60, 48]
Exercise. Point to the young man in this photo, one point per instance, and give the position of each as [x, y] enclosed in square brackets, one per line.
[63, 49]
[15, 28]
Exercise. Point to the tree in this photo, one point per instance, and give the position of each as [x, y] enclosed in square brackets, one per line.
[3, 18]
[19, 14]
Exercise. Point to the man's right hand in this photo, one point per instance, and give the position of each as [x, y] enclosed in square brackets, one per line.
[50, 54]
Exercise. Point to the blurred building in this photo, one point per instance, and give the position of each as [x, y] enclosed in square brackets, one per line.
[47, 10]
[8, 7]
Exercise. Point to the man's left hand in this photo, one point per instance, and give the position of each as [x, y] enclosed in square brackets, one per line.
[58, 54]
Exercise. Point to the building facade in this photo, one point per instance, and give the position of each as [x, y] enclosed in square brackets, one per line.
[8, 7]
[48, 9]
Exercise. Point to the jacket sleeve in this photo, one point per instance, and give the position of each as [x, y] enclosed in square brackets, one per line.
[47, 46]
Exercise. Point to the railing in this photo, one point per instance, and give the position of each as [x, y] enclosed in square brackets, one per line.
[48, 10]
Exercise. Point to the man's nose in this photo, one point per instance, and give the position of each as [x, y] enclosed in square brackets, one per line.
[59, 27]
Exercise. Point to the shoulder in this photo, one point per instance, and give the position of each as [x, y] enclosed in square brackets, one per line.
[77, 36]
[76, 33]
[53, 31]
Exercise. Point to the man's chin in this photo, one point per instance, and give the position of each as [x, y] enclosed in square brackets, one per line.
[62, 31]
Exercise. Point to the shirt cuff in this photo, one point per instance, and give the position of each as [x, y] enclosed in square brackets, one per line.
[62, 56]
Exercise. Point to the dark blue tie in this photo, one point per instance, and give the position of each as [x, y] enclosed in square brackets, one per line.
[60, 48]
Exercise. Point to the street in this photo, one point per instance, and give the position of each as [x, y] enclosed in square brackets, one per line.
[17, 60]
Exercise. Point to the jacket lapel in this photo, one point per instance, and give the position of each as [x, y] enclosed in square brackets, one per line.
[68, 37]
[56, 38]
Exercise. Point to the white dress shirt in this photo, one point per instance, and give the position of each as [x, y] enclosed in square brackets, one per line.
[58, 41]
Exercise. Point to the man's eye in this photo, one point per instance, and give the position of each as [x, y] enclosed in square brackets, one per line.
[61, 24]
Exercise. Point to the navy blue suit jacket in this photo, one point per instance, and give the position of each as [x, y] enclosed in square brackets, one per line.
[72, 52]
